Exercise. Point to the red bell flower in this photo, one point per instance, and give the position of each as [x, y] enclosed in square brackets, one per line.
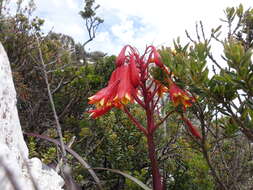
[161, 89]
[194, 131]
[104, 96]
[121, 88]
[99, 112]
[178, 96]
[154, 56]
[122, 57]
[134, 72]
[126, 89]
[120, 60]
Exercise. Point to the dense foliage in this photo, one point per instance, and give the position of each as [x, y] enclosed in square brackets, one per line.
[223, 110]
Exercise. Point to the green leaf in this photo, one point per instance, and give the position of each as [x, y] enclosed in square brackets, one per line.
[239, 10]
[217, 29]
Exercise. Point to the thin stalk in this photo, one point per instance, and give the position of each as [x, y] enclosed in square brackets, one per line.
[168, 114]
[138, 100]
[157, 183]
[156, 177]
[156, 102]
[137, 123]
[58, 126]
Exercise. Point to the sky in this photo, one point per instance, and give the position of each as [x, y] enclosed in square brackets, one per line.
[135, 22]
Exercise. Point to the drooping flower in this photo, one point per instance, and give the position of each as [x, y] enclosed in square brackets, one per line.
[161, 88]
[104, 96]
[134, 72]
[122, 57]
[121, 88]
[154, 57]
[179, 96]
[99, 111]
[194, 131]
[126, 90]
[120, 60]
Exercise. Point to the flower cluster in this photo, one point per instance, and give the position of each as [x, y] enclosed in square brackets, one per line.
[131, 81]
[122, 86]
[130, 76]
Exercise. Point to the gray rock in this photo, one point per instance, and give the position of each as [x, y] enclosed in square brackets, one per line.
[13, 150]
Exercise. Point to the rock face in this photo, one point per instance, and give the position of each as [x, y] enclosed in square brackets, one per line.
[13, 150]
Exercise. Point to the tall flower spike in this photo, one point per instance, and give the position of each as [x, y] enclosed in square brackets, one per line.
[178, 96]
[194, 131]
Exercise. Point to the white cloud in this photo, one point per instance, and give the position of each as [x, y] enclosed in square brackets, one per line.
[103, 38]
[71, 4]
[165, 20]
[124, 30]
[135, 22]
[62, 16]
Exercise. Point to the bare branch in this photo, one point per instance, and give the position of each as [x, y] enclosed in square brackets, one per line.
[58, 86]
[214, 61]
[60, 68]
[189, 37]
[167, 115]
[59, 165]
[58, 126]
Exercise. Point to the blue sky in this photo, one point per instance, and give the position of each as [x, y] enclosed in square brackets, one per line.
[135, 22]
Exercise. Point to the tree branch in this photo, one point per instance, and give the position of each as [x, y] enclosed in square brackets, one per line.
[58, 126]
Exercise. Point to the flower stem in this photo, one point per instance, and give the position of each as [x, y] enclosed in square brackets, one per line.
[156, 177]
[157, 183]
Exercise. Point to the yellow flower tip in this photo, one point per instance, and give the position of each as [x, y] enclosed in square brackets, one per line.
[186, 97]
[91, 115]
[174, 52]
[187, 105]
[116, 97]
[128, 97]
[97, 104]
[91, 98]
[124, 100]
[181, 96]
[160, 94]
[101, 102]
[151, 60]
[176, 102]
